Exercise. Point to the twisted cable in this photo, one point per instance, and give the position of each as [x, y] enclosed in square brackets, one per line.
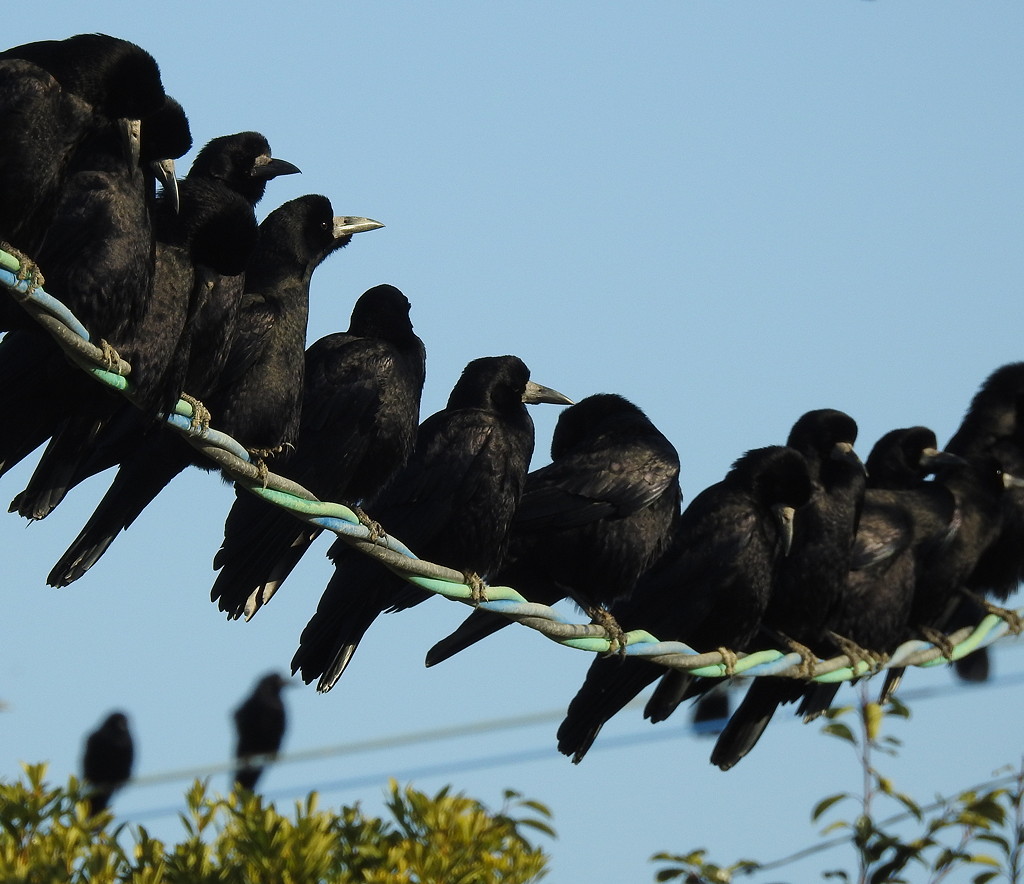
[233, 459]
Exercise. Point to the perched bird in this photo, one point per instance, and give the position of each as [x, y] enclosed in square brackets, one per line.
[202, 251]
[258, 401]
[99, 258]
[904, 522]
[994, 426]
[451, 504]
[709, 590]
[203, 243]
[813, 575]
[54, 94]
[260, 723]
[108, 759]
[360, 410]
[591, 521]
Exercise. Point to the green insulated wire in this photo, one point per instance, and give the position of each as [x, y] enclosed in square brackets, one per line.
[234, 460]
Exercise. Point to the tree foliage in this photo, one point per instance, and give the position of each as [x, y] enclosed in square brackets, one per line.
[47, 835]
[976, 835]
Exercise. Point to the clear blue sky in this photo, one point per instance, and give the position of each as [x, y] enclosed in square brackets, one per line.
[729, 212]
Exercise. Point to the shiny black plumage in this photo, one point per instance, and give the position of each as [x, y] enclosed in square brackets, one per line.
[452, 504]
[100, 259]
[709, 590]
[360, 410]
[259, 402]
[813, 575]
[592, 520]
[905, 522]
[55, 95]
[204, 239]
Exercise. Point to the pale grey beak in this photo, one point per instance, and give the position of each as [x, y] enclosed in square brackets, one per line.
[536, 394]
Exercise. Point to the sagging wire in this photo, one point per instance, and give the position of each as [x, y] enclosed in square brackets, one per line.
[233, 459]
[462, 764]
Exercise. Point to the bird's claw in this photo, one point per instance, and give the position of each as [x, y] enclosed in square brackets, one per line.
[1013, 620]
[857, 654]
[729, 660]
[940, 640]
[201, 416]
[616, 634]
[110, 358]
[262, 470]
[374, 528]
[477, 588]
[808, 659]
[28, 270]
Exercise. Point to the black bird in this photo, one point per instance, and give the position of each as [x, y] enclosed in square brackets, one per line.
[709, 590]
[451, 504]
[259, 398]
[360, 410]
[591, 521]
[994, 426]
[812, 577]
[904, 522]
[108, 759]
[260, 723]
[100, 258]
[205, 236]
[53, 95]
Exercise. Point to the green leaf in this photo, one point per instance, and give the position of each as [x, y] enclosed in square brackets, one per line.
[998, 840]
[539, 826]
[840, 730]
[897, 708]
[983, 859]
[825, 804]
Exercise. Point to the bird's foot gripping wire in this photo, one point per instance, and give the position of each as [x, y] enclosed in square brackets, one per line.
[477, 587]
[110, 358]
[262, 470]
[28, 270]
[201, 416]
[1013, 620]
[857, 654]
[729, 661]
[616, 634]
[375, 529]
[940, 640]
[258, 458]
[808, 659]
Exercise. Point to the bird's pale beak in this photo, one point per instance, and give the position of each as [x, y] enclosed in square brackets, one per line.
[535, 394]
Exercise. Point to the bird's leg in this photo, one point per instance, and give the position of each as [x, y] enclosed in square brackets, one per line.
[258, 459]
[200, 415]
[261, 468]
[27, 268]
[808, 659]
[375, 529]
[939, 639]
[729, 660]
[1012, 619]
[857, 654]
[477, 587]
[616, 634]
[108, 355]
